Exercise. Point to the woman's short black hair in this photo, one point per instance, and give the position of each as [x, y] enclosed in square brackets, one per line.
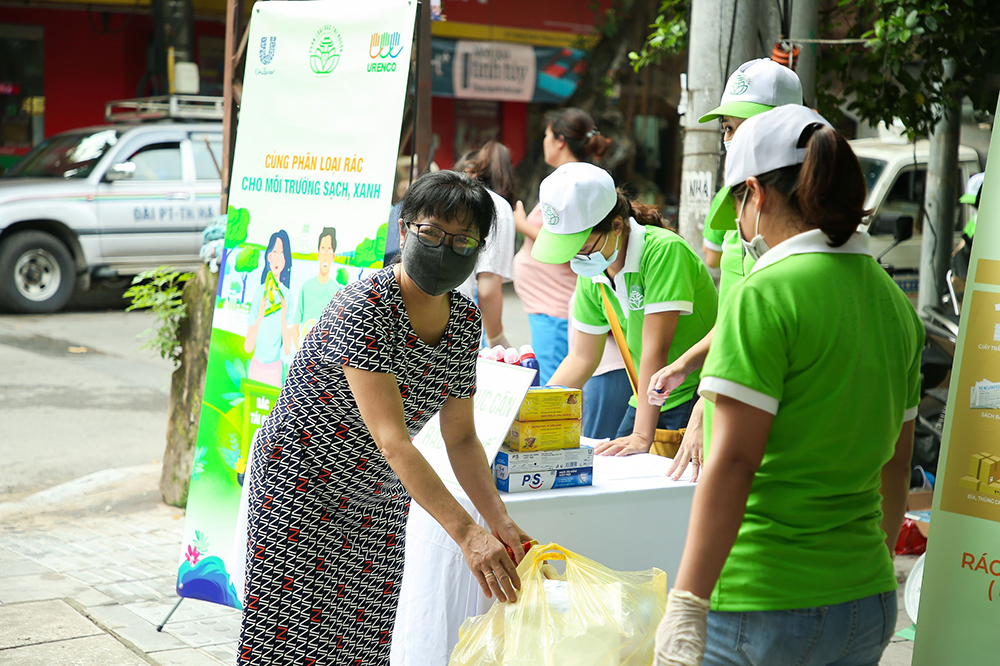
[452, 196]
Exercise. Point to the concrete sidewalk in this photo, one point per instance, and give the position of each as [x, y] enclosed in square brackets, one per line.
[88, 570]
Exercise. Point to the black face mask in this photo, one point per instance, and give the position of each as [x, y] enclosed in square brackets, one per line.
[436, 270]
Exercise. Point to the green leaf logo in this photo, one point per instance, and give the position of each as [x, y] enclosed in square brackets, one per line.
[325, 50]
[740, 85]
[550, 215]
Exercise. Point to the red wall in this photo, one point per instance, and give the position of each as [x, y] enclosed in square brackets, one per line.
[514, 129]
[85, 69]
[443, 125]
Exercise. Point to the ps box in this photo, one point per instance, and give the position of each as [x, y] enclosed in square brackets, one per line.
[544, 479]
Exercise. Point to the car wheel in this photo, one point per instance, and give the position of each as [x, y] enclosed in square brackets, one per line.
[37, 273]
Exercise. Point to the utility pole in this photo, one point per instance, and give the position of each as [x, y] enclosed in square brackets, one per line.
[805, 23]
[423, 88]
[940, 201]
[709, 53]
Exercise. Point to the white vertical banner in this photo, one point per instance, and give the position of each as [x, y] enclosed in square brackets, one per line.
[310, 198]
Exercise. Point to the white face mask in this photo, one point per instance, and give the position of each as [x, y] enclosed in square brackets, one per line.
[727, 144]
[757, 246]
[595, 263]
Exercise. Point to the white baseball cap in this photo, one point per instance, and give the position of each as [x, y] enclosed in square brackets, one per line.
[972, 189]
[757, 86]
[769, 141]
[574, 199]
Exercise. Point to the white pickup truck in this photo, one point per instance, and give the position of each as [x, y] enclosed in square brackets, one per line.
[896, 174]
[106, 201]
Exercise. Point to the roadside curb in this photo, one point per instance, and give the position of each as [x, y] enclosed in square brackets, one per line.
[87, 491]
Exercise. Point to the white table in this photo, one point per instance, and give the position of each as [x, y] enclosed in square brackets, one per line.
[632, 518]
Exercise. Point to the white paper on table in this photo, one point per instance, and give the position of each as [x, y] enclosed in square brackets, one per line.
[500, 390]
[639, 466]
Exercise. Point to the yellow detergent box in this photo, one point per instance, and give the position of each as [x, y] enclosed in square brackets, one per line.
[970, 482]
[544, 435]
[988, 470]
[551, 403]
[974, 465]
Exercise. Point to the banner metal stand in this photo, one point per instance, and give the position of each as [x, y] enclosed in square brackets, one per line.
[167, 618]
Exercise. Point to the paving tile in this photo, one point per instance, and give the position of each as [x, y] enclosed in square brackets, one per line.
[134, 629]
[22, 566]
[126, 592]
[186, 657]
[6, 554]
[36, 587]
[153, 611]
[91, 651]
[189, 609]
[42, 622]
[225, 653]
[92, 597]
[57, 563]
[207, 631]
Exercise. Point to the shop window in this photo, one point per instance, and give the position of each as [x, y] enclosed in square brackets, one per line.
[158, 161]
[476, 122]
[22, 101]
[207, 150]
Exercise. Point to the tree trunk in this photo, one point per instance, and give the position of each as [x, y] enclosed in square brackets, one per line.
[187, 386]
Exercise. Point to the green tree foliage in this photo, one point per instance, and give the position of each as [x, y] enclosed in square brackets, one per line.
[237, 224]
[898, 70]
[668, 36]
[160, 292]
[246, 262]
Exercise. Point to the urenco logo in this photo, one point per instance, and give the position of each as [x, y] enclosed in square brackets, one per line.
[383, 50]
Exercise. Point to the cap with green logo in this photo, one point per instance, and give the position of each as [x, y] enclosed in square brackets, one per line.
[972, 189]
[574, 199]
[757, 86]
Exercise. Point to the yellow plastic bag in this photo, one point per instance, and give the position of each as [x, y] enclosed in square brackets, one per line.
[590, 616]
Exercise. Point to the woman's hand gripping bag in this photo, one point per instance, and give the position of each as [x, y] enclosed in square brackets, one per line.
[589, 616]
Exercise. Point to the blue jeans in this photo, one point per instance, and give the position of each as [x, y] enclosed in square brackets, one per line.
[849, 634]
[605, 400]
[550, 340]
[674, 418]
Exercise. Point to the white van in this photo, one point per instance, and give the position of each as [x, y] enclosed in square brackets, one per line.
[896, 175]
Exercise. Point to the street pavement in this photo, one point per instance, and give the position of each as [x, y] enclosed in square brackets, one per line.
[88, 551]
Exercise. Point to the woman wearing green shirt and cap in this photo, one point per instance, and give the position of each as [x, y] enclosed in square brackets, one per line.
[815, 374]
[657, 287]
[755, 87]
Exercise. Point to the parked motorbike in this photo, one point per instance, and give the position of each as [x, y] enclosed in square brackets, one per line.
[937, 359]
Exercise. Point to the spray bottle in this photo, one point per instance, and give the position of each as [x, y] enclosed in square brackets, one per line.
[528, 360]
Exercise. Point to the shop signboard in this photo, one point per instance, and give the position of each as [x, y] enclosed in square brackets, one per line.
[309, 204]
[466, 69]
[960, 592]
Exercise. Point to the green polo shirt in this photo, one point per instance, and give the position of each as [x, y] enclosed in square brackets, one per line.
[733, 268]
[661, 274]
[712, 238]
[823, 339]
[734, 265]
[970, 227]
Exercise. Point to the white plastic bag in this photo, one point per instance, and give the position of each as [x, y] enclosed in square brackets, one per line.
[592, 616]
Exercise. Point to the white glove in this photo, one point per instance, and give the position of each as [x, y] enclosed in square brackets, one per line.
[680, 638]
[501, 339]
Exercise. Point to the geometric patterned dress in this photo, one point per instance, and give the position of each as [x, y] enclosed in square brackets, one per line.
[327, 514]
